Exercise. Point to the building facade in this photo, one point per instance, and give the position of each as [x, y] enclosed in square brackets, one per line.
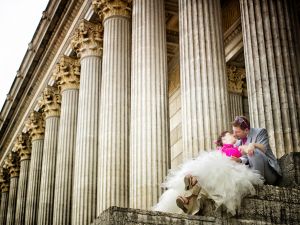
[113, 93]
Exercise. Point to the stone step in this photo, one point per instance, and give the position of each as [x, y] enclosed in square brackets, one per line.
[271, 205]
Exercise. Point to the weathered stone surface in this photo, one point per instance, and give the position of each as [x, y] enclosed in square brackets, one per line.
[271, 205]
[116, 215]
[290, 166]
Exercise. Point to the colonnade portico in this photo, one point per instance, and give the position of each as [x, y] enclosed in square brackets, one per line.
[98, 132]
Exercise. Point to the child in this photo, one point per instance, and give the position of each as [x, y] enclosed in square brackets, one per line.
[225, 143]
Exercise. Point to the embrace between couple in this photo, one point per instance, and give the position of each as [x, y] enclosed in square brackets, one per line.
[223, 177]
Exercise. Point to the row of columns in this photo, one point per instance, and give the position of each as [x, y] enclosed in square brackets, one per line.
[106, 143]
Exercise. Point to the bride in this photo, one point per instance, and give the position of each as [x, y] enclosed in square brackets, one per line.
[212, 176]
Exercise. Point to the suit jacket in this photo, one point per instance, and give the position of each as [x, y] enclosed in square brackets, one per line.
[260, 136]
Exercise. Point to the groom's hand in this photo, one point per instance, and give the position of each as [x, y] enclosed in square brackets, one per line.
[238, 160]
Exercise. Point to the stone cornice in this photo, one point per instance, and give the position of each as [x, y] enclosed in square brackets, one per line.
[63, 23]
[67, 73]
[88, 39]
[50, 40]
[232, 32]
[111, 8]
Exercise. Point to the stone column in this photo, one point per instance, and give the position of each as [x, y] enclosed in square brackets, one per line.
[87, 42]
[36, 129]
[272, 69]
[235, 81]
[50, 104]
[4, 181]
[23, 149]
[113, 148]
[67, 77]
[149, 105]
[12, 163]
[205, 111]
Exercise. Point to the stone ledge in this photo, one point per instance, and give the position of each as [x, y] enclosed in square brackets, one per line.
[121, 216]
[290, 166]
[272, 205]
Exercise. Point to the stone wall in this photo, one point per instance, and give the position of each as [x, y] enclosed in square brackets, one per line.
[175, 128]
[175, 117]
[290, 166]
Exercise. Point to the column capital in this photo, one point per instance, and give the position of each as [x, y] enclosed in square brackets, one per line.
[236, 79]
[4, 180]
[23, 146]
[88, 39]
[50, 102]
[36, 125]
[12, 164]
[67, 73]
[110, 8]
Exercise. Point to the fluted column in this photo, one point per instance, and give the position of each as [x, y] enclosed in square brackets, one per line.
[67, 77]
[205, 111]
[36, 129]
[236, 83]
[272, 68]
[4, 181]
[87, 42]
[149, 106]
[50, 104]
[23, 149]
[113, 157]
[12, 163]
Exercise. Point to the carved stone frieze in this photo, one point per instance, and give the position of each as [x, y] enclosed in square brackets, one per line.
[236, 79]
[88, 39]
[23, 146]
[50, 102]
[67, 73]
[12, 164]
[109, 8]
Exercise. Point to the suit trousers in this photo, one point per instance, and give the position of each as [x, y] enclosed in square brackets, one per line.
[259, 162]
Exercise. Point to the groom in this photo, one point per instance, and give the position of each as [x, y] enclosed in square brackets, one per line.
[264, 160]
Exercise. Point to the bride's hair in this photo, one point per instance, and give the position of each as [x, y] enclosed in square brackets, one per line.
[219, 142]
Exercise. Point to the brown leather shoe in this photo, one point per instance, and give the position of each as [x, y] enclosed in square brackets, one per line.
[189, 182]
[182, 202]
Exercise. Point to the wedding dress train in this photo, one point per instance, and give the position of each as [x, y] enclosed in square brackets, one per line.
[225, 181]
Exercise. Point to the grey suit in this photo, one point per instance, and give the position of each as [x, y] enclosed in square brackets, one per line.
[266, 163]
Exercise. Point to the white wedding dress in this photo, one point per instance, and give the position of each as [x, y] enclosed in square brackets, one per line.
[225, 181]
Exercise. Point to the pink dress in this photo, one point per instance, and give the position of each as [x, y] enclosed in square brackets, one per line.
[230, 150]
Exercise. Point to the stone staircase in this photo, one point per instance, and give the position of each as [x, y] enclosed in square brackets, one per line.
[271, 205]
